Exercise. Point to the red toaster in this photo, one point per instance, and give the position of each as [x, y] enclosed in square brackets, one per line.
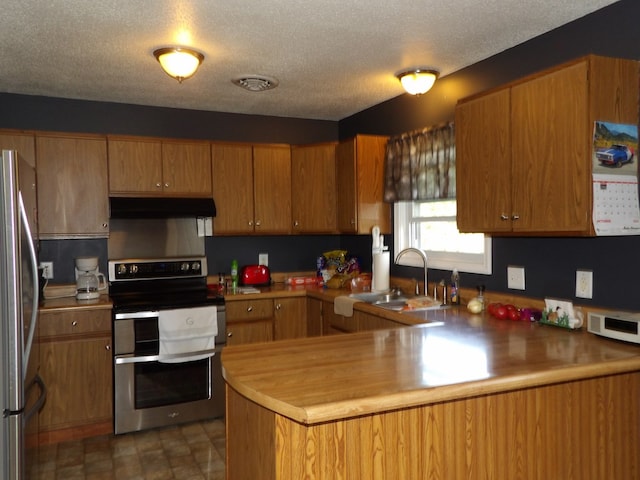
[255, 276]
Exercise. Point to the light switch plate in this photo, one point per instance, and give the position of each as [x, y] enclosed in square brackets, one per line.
[515, 278]
[584, 283]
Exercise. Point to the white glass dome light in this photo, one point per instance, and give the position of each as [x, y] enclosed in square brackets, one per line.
[178, 62]
[418, 80]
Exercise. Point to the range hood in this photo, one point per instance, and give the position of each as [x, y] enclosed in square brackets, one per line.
[134, 207]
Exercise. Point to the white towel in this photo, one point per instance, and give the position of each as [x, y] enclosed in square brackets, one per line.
[187, 330]
[343, 305]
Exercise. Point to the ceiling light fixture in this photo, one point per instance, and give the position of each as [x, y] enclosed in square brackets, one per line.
[418, 80]
[178, 62]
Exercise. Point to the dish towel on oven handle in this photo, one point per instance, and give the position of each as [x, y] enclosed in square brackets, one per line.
[186, 330]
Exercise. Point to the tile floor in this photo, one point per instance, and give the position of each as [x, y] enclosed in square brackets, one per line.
[194, 451]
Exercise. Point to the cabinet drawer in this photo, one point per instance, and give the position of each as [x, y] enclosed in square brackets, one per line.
[53, 324]
[249, 309]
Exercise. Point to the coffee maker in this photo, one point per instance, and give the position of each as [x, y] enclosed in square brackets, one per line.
[89, 281]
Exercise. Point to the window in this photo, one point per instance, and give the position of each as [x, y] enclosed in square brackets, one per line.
[431, 226]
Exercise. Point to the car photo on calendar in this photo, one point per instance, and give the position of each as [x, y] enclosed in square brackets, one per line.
[615, 148]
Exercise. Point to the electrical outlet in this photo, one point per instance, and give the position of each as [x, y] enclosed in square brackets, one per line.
[584, 283]
[263, 259]
[47, 270]
[515, 278]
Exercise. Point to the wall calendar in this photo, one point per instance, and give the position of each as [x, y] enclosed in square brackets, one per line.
[616, 205]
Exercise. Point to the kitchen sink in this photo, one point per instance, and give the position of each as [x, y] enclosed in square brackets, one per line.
[391, 301]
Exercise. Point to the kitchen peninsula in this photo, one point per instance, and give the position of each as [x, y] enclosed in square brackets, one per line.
[461, 396]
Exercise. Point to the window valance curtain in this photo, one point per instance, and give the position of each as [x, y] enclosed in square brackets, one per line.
[421, 165]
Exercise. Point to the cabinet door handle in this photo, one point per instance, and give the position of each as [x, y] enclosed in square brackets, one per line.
[107, 347]
[158, 185]
[74, 323]
[515, 216]
[504, 217]
[296, 223]
[105, 225]
[257, 223]
[166, 185]
[230, 334]
[278, 306]
[250, 223]
[249, 309]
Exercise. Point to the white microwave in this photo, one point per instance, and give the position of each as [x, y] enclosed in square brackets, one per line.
[617, 325]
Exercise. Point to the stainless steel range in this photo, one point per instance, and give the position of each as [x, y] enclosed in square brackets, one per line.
[169, 331]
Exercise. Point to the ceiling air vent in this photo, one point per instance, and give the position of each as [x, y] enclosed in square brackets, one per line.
[255, 83]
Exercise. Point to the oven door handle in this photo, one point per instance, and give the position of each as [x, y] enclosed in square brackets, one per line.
[131, 358]
[133, 315]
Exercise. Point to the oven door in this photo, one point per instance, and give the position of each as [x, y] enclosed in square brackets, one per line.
[149, 393]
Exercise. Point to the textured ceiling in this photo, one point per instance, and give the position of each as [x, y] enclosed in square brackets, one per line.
[333, 58]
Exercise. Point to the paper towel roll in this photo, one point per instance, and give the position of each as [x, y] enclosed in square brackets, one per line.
[380, 270]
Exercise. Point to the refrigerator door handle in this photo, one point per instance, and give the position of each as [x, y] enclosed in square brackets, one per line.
[36, 291]
[35, 408]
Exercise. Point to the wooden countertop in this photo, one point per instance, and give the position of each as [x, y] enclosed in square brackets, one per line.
[456, 356]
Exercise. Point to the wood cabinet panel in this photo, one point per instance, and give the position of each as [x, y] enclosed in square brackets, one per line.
[232, 188]
[135, 166]
[290, 318]
[360, 185]
[22, 142]
[252, 189]
[574, 430]
[550, 154]
[524, 152]
[367, 321]
[483, 163]
[314, 317]
[272, 189]
[72, 186]
[250, 331]
[333, 323]
[186, 168]
[249, 321]
[313, 189]
[148, 166]
[76, 364]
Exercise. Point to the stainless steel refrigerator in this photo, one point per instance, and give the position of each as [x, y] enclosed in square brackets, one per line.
[21, 389]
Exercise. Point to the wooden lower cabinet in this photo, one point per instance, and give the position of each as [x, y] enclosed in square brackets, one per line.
[333, 324]
[314, 317]
[76, 365]
[366, 321]
[580, 430]
[289, 319]
[264, 320]
[249, 321]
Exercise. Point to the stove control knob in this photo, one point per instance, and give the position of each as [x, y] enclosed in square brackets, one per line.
[122, 269]
[133, 269]
[195, 266]
[184, 267]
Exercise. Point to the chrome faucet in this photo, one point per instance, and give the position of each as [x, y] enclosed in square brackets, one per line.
[424, 261]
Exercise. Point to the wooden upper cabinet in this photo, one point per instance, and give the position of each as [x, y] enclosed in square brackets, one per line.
[313, 188]
[22, 142]
[232, 188]
[272, 188]
[360, 185]
[524, 152]
[135, 166]
[72, 186]
[251, 188]
[483, 190]
[154, 167]
[186, 168]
